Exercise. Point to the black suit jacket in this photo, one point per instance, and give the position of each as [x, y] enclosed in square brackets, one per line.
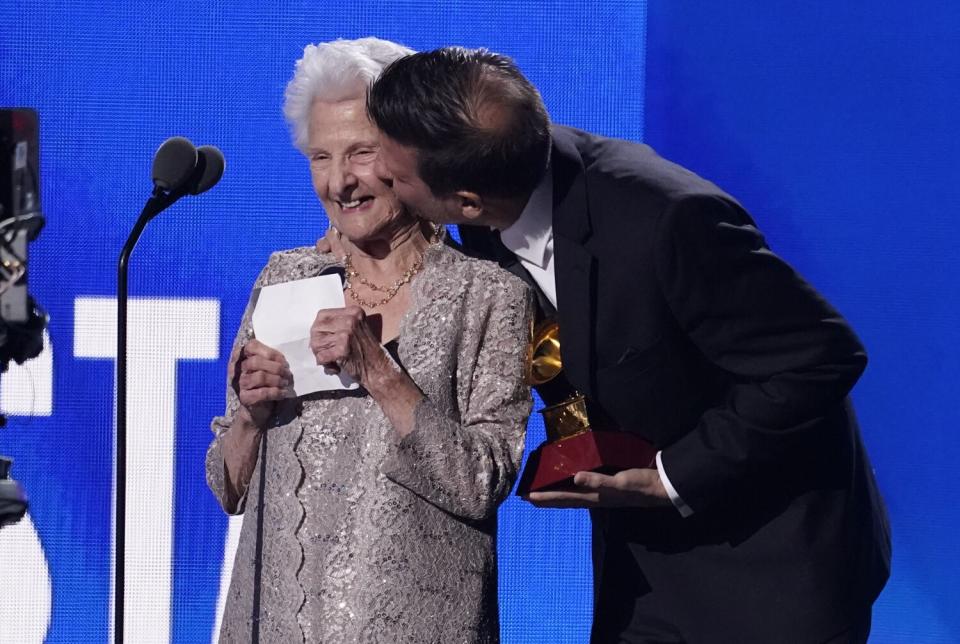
[680, 324]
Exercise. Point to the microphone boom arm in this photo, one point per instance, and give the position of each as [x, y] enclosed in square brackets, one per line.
[206, 173]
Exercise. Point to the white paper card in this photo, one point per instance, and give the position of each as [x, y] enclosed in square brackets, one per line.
[282, 317]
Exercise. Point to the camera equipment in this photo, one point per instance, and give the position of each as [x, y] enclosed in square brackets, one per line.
[13, 504]
[20, 218]
[22, 321]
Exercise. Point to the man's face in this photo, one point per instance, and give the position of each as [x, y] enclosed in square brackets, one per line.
[398, 164]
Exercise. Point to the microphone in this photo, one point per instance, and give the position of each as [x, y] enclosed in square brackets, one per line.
[173, 163]
[210, 166]
[179, 169]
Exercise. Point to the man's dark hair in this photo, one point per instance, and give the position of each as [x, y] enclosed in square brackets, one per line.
[475, 121]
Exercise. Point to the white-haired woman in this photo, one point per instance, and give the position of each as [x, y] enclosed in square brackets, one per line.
[375, 517]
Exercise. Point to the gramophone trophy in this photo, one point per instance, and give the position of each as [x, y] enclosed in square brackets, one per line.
[571, 445]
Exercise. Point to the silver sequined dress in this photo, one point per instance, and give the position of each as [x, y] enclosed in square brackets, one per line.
[371, 539]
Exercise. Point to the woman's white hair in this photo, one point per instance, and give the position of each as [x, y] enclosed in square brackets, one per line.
[334, 71]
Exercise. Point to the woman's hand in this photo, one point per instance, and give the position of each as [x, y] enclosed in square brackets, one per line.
[341, 339]
[261, 377]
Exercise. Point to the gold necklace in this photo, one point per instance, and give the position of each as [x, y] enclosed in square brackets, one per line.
[390, 291]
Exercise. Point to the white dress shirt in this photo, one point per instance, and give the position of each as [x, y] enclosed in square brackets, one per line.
[530, 238]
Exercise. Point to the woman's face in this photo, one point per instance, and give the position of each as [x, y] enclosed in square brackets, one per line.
[342, 148]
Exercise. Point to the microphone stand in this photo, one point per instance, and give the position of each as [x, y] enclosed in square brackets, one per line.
[157, 203]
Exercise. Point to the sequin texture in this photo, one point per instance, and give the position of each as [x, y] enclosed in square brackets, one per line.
[372, 539]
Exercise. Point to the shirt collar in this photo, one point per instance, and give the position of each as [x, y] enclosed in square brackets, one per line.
[528, 237]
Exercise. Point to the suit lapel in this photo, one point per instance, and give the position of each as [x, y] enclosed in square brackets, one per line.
[480, 241]
[574, 266]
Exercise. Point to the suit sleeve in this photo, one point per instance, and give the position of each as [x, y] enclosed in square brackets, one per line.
[467, 466]
[791, 356]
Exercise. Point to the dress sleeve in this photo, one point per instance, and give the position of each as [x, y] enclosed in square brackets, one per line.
[468, 467]
[215, 465]
[792, 356]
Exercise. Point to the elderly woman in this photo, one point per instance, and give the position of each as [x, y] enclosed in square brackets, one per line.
[370, 515]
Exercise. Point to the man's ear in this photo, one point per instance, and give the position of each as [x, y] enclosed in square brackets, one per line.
[470, 204]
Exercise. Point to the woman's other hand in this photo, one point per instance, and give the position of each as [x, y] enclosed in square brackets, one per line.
[261, 377]
[341, 339]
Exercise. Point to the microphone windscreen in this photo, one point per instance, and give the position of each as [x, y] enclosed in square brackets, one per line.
[211, 160]
[173, 163]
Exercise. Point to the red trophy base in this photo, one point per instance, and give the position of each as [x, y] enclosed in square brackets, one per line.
[553, 464]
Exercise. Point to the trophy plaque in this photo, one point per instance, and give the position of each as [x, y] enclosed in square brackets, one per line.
[572, 445]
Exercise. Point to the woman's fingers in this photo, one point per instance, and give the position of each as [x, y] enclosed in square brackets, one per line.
[253, 364]
[255, 348]
[331, 347]
[258, 379]
[338, 319]
[257, 356]
[252, 397]
[334, 320]
[335, 335]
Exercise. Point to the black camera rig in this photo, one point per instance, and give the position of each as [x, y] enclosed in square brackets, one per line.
[22, 320]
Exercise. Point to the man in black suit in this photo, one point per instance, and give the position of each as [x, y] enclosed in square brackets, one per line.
[761, 521]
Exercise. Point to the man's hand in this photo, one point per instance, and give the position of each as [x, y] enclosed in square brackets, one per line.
[634, 488]
[331, 243]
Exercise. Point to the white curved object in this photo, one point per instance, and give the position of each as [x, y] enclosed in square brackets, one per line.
[25, 607]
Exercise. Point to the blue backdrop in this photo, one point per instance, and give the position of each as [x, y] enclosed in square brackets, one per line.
[835, 126]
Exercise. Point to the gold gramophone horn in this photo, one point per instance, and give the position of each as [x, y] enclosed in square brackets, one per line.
[543, 354]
